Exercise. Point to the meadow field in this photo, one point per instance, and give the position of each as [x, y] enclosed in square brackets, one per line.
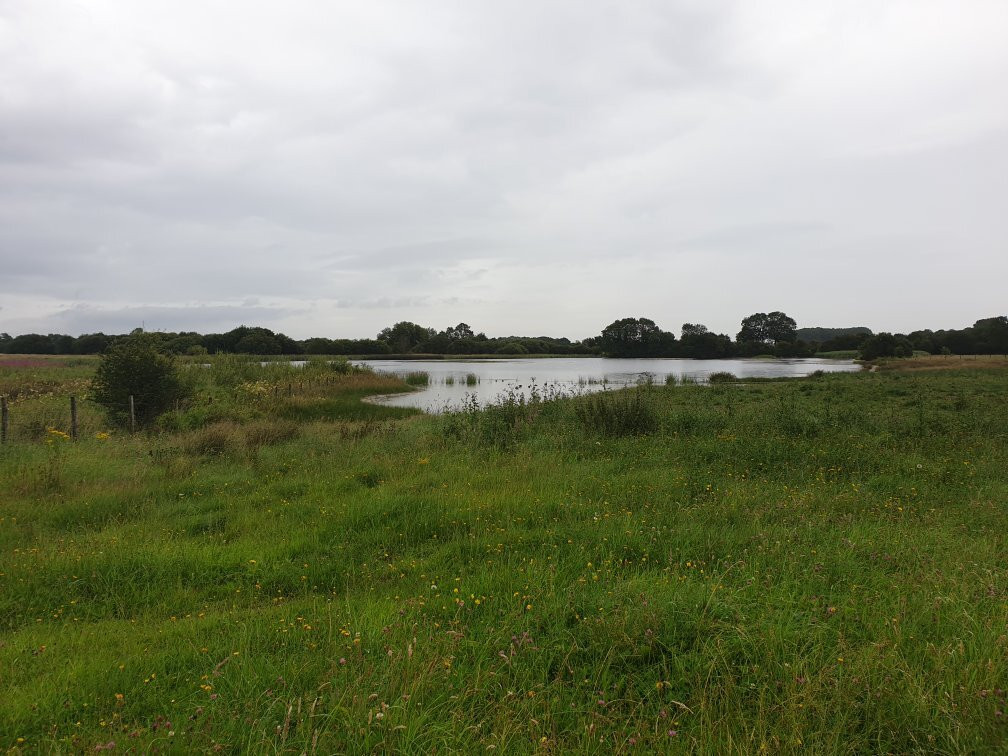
[813, 565]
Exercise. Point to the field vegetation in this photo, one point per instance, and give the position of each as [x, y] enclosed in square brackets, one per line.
[276, 566]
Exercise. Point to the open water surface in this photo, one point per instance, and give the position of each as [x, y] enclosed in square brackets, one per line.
[495, 377]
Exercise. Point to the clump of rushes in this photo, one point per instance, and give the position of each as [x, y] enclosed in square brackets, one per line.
[417, 378]
[214, 440]
[471, 379]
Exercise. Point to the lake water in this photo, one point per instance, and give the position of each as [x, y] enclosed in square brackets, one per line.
[572, 374]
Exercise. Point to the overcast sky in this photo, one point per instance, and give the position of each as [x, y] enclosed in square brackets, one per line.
[330, 168]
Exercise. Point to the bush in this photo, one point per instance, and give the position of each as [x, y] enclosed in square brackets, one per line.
[722, 377]
[134, 366]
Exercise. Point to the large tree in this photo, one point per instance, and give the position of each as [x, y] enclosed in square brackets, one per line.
[635, 337]
[767, 328]
[405, 336]
[698, 342]
[460, 332]
[991, 335]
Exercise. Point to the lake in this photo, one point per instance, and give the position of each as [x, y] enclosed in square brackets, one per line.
[572, 374]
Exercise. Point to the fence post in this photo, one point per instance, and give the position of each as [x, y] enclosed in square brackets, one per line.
[132, 415]
[73, 417]
[4, 419]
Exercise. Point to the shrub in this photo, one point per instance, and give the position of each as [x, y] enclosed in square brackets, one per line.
[722, 377]
[133, 366]
[619, 413]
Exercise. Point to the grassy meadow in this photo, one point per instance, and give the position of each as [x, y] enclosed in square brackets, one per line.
[817, 564]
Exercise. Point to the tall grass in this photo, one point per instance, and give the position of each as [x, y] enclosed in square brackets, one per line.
[630, 412]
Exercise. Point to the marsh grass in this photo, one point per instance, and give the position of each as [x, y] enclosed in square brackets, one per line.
[417, 378]
[814, 565]
[619, 413]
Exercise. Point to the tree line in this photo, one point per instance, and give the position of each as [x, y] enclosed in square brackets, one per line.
[777, 334]
[773, 333]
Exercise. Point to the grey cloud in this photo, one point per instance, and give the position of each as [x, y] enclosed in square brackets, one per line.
[393, 159]
[421, 254]
[82, 318]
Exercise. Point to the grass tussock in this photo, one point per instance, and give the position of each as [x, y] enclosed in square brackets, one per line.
[269, 432]
[216, 440]
[631, 412]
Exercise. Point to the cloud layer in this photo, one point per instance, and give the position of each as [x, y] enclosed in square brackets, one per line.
[329, 169]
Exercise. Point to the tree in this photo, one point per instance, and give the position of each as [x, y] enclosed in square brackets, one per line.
[91, 343]
[635, 337]
[780, 327]
[701, 344]
[767, 328]
[405, 336]
[991, 335]
[886, 345]
[134, 366]
[29, 343]
[258, 341]
[459, 332]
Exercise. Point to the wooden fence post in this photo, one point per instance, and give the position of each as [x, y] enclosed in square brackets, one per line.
[4, 419]
[132, 415]
[73, 417]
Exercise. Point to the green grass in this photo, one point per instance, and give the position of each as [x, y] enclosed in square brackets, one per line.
[702, 569]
